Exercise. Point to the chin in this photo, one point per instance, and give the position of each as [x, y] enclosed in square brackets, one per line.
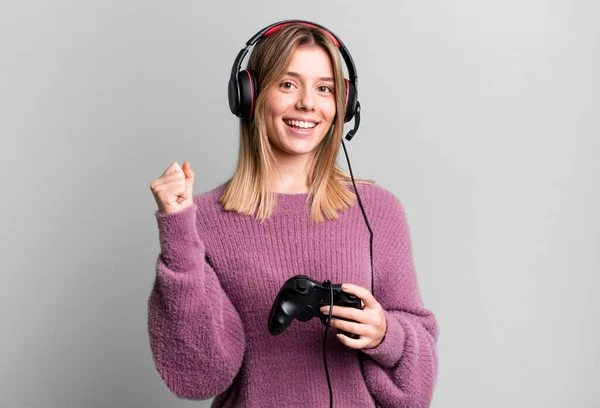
[297, 152]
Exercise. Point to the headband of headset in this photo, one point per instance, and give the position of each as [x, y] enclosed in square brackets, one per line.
[276, 26]
[238, 97]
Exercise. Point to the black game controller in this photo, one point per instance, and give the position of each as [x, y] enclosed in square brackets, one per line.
[301, 298]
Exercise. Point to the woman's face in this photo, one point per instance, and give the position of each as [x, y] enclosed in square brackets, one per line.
[300, 108]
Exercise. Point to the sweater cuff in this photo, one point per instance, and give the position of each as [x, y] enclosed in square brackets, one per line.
[389, 351]
[180, 244]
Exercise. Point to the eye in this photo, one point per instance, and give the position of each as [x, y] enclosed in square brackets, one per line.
[286, 85]
[325, 88]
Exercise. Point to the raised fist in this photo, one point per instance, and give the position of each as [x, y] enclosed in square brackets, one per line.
[173, 190]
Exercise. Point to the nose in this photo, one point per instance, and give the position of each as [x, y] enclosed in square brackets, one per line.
[305, 100]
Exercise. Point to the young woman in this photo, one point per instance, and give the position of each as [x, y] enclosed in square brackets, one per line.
[288, 210]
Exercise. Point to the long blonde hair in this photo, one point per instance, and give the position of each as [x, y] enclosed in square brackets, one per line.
[250, 190]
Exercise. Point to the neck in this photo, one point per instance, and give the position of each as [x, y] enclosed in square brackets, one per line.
[292, 177]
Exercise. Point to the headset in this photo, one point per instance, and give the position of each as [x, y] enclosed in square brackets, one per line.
[243, 85]
[242, 91]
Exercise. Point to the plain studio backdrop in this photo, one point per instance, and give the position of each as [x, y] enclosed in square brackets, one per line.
[481, 116]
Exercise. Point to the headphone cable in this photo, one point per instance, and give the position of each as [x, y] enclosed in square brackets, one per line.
[328, 282]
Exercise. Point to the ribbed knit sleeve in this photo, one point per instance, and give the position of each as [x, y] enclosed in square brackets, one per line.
[401, 371]
[196, 335]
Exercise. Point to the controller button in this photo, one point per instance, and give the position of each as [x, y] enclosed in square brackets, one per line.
[301, 284]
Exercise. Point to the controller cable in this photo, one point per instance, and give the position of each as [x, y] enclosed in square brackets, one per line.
[328, 282]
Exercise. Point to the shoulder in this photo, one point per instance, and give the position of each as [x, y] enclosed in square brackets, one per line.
[384, 209]
[378, 197]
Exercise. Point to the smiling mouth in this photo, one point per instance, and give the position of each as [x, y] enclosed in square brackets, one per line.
[297, 124]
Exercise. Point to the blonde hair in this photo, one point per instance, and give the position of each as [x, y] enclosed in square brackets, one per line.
[250, 190]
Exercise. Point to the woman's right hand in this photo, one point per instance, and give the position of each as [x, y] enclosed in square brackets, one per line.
[173, 190]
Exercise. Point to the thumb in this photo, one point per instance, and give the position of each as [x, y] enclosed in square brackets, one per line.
[189, 184]
[189, 173]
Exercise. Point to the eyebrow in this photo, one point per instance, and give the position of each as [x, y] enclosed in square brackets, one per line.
[297, 75]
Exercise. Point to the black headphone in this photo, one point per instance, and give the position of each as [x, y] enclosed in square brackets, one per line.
[243, 86]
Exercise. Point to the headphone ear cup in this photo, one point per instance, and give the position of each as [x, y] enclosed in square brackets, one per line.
[248, 90]
[233, 96]
[351, 100]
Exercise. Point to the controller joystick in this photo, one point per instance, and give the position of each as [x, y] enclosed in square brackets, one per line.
[301, 298]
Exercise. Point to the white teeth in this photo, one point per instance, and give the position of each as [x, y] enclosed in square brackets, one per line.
[297, 123]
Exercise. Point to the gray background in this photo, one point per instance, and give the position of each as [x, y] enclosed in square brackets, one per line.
[482, 117]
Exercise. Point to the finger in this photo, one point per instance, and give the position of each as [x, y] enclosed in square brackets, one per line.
[353, 343]
[349, 313]
[165, 192]
[362, 293]
[353, 327]
[177, 175]
[175, 167]
[168, 179]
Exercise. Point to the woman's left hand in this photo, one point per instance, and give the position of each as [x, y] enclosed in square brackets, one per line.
[369, 323]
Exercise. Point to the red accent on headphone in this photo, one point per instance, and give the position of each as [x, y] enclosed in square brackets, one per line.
[252, 93]
[272, 30]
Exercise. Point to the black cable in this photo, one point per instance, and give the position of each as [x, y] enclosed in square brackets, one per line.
[328, 282]
[368, 226]
[364, 215]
